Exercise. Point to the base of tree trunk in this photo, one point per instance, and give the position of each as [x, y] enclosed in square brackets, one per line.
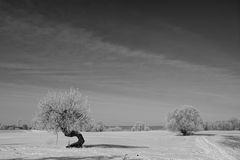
[80, 141]
[184, 132]
[75, 145]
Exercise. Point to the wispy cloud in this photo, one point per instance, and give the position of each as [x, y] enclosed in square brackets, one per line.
[78, 47]
[42, 53]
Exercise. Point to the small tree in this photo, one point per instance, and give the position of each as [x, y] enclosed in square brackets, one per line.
[140, 126]
[235, 123]
[185, 120]
[64, 111]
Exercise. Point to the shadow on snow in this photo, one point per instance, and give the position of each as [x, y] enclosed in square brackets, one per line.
[87, 157]
[203, 134]
[71, 158]
[231, 141]
[112, 146]
[197, 134]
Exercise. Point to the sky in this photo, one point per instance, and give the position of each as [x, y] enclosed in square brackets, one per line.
[135, 60]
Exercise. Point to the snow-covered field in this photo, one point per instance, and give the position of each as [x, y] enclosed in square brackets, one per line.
[152, 145]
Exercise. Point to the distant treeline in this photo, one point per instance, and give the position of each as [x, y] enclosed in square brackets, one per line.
[129, 128]
[97, 127]
[14, 127]
[232, 124]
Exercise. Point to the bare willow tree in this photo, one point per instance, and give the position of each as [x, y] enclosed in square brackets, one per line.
[66, 111]
[186, 120]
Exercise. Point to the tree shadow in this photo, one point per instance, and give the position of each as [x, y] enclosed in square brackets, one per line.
[231, 141]
[72, 158]
[197, 134]
[112, 146]
[203, 134]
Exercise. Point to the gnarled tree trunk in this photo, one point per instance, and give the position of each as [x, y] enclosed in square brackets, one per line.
[80, 141]
[184, 132]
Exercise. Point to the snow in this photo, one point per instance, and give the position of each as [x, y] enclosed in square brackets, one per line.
[150, 145]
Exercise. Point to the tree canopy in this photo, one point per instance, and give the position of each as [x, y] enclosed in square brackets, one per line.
[63, 111]
[186, 120]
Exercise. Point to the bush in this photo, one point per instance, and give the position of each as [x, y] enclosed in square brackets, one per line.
[186, 120]
[95, 127]
[99, 127]
[140, 126]
[114, 129]
[89, 127]
[25, 127]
